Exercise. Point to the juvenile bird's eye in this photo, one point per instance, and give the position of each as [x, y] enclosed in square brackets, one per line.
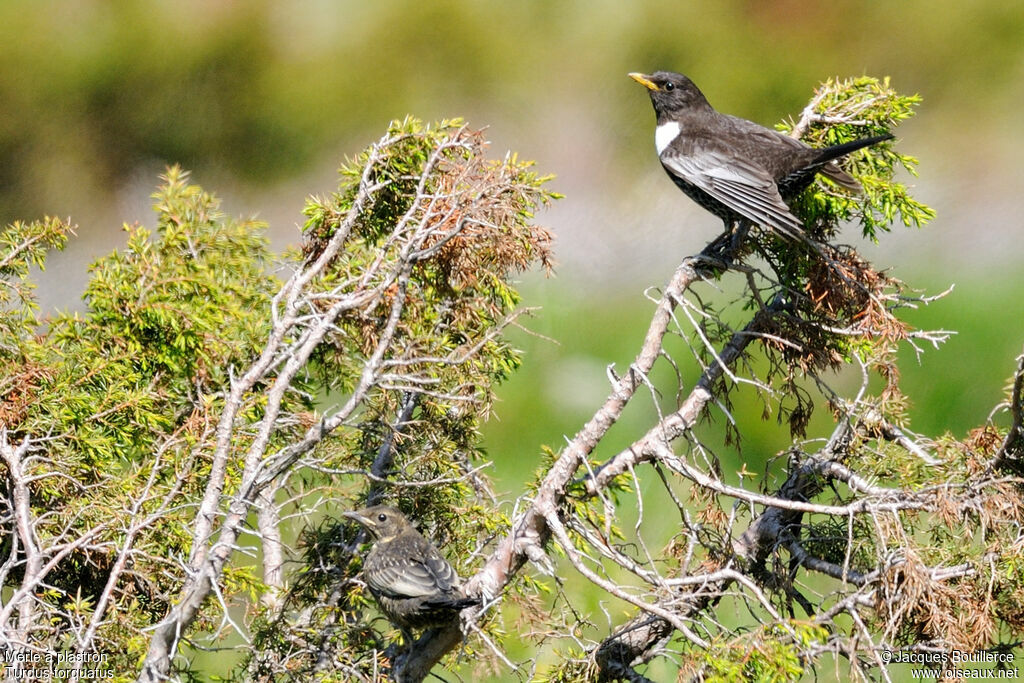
[382, 517]
[669, 86]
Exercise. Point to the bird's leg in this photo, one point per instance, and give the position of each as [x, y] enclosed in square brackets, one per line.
[721, 253]
[408, 640]
[739, 234]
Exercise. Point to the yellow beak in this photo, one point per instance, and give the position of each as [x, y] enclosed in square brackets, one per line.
[643, 80]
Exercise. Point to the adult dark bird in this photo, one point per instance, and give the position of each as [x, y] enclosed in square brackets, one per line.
[411, 581]
[735, 168]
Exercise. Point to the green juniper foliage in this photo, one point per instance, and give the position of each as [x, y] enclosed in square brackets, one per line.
[119, 404]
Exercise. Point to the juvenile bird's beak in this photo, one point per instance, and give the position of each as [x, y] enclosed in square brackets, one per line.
[643, 80]
[356, 517]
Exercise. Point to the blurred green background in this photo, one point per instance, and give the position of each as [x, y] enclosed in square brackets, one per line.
[261, 99]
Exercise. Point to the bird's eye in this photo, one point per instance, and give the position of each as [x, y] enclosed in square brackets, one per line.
[669, 86]
[382, 517]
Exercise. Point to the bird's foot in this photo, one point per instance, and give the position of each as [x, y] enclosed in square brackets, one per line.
[720, 254]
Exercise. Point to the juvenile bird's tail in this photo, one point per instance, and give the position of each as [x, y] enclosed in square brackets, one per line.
[451, 603]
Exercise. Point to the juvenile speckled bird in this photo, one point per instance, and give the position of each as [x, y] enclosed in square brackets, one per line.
[412, 582]
[735, 168]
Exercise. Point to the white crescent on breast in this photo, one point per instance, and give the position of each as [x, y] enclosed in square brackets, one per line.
[664, 134]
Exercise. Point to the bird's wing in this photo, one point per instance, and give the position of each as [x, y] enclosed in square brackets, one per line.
[740, 185]
[400, 578]
[417, 571]
[441, 573]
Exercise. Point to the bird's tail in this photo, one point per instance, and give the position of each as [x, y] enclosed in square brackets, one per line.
[825, 162]
[452, 602]
[836, 151]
